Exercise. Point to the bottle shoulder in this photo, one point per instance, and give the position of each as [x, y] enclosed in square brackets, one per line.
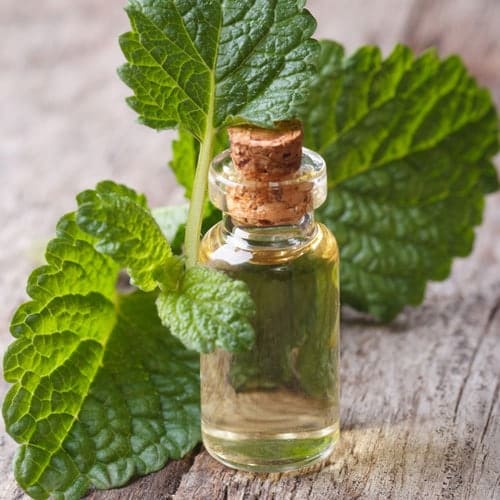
[222, 251]
[328, 237]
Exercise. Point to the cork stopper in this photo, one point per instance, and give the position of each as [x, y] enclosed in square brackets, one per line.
[267, 154]
[267, 178]
[270, 158]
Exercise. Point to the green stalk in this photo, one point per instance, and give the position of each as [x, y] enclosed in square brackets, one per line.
[195, 214]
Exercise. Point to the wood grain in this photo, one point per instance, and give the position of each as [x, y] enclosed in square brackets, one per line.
[420, 397]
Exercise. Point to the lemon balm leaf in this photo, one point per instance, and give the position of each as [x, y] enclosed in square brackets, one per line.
[205, 64]
[125, 229]
[408, 142]
[206, 309]
[209, 310]
[101, 391]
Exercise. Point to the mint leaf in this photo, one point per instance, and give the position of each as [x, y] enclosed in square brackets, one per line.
[185, 150]
[171, 221]
[209, 310]
[101, 390]
[125, 229]
[204, 64]
[195, 304]
[408, 143]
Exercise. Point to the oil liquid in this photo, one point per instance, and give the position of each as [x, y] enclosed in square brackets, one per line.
[276, 407]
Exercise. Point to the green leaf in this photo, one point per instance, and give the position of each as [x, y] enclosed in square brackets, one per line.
[185, 151]
[209, 310]
[408, 143]
[125, 229]
[171, 220]
[101, 390]
[202, 65]
[205, 64]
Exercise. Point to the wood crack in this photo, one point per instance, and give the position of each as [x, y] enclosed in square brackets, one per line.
[496, 392]
[490, 412]
[484, 334]
[189, 461]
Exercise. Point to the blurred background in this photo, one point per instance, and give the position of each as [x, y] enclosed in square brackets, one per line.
[64, 124]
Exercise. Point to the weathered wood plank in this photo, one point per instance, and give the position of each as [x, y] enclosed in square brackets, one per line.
[420, 398]
[465, 27]
[462, 27]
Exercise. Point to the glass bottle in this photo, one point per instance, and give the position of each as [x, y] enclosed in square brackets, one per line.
[275, 407]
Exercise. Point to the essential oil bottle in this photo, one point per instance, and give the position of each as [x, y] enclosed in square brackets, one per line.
[276, 406]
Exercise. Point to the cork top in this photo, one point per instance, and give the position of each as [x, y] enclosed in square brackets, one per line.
[267, 154]
[267, 178]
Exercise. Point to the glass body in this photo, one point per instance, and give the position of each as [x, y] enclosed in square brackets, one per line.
[276, 406]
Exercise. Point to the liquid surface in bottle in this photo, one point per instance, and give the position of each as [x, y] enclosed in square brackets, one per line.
[275, 407]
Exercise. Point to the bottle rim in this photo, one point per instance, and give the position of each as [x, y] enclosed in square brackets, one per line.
[222, 173]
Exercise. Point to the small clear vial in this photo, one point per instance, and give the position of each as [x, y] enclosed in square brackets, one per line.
[276, 406]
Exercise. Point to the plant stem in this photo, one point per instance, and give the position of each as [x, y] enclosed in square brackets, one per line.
[195, 214]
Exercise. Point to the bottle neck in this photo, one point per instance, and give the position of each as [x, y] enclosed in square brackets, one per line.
[281, 237]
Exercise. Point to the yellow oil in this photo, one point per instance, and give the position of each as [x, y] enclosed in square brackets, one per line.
[276, 407]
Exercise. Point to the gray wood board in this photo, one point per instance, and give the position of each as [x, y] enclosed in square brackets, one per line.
[420, 397]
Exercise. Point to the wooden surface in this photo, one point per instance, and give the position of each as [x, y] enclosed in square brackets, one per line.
[420, 397]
